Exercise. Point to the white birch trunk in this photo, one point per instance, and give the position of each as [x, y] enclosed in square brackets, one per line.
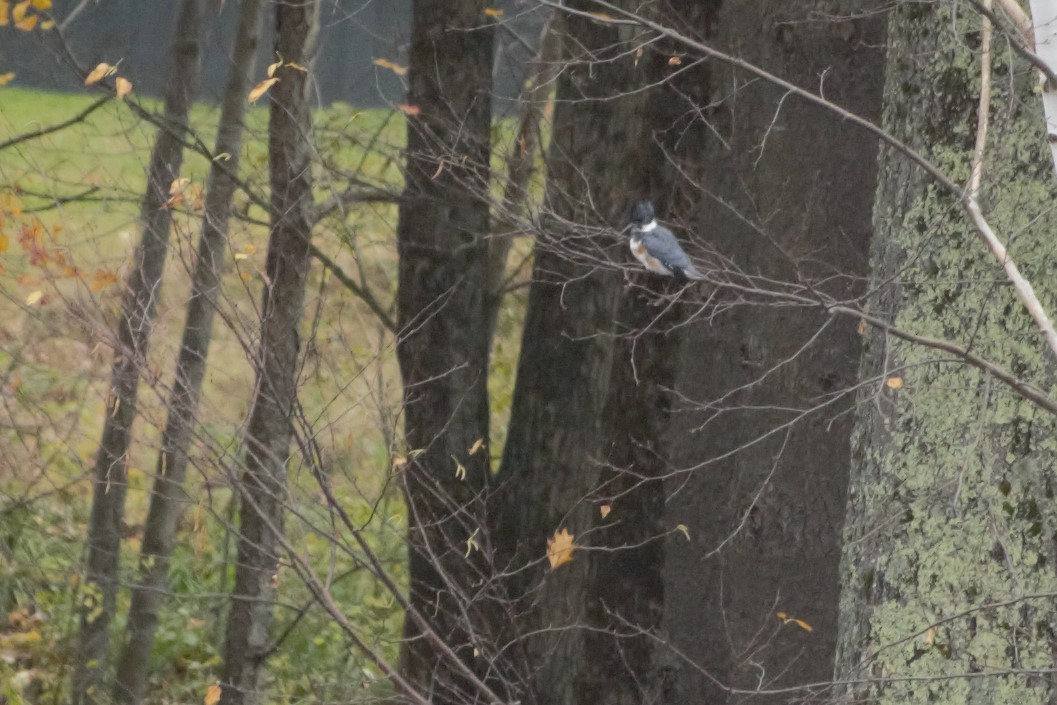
[1044, 24]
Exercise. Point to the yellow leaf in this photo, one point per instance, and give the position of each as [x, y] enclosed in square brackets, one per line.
[684, 530]
[493, 12]
[894, 382]
[5, 7]
[5, 78]
[272, 68]
[471, 543]
[47, 24]
[560, 548]
[261, 88]
[97, 74]
[177, 185]
[101, 280]
[4, 242]
[387, 64]
[122, 87]
[675, 61]
[786, 619]
[27, 24]
[239, 256]
[297, 67]
[34, 297]
[477, 445]
[408, 109]
[602, 16]
[222, 157]
[41, 5]
[460, 469]
[212, 695]
[605, 509]
[249, 248]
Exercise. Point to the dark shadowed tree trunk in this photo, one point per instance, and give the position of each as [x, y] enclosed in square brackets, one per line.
[142, 289]
[950, 503]
[443, 344]
[270, 429]
[624, 659]
[763, 435]
[550, 460]
[167, 498]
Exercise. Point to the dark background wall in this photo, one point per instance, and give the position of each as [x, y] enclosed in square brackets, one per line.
[354, 33]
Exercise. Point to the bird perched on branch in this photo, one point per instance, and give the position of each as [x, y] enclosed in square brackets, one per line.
[656, 247]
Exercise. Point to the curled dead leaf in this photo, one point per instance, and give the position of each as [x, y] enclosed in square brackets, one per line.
[387, 64]
[786, 619]
[605, 509]
[212, 695]
[408, 109]
[477, 445]
[261, 88]
[122, 87]
[97, 74]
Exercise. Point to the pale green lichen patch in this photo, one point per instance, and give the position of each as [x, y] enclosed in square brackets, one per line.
[951, 525]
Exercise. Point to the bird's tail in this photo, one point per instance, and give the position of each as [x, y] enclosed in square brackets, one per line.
[694, 274]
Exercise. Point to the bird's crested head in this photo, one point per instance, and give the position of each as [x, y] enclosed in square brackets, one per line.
[642, 213]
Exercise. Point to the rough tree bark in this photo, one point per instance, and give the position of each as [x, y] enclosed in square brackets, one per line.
[788, 195]
[550, 462]
[263, 483]
[142, 288]
[624, 660]
[443, 345]
[167, 497]
[950, 504]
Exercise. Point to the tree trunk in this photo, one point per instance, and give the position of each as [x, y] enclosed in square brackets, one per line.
[443, 345]
[760, 448]
[549, 469]
[625, 661]
[950, 506]
[270, 428]
[137, 314]
[167, 497]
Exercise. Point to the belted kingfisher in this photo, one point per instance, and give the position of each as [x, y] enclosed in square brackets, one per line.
[656, 247]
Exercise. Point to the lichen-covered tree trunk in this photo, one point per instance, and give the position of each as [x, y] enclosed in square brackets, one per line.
[550, 463]
[262, 486]
[142, 289]
[761, 449]
[167, 496]
[950, 506]
[442, 347]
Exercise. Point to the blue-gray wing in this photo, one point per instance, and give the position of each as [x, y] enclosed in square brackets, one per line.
[661, 243]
